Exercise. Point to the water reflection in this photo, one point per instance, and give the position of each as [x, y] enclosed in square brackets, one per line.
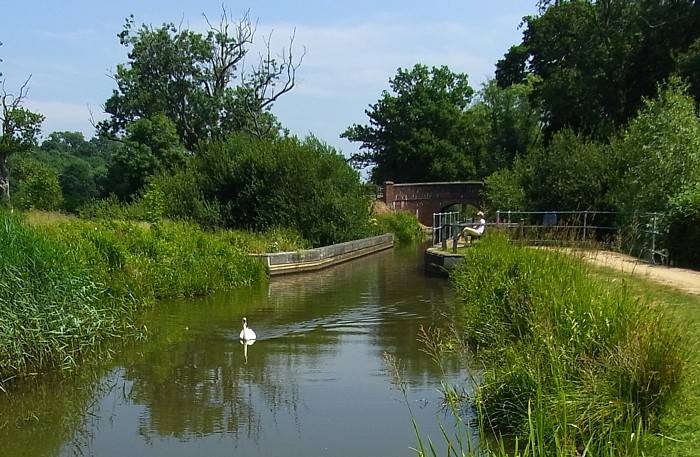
[315, 384]
[245, 344]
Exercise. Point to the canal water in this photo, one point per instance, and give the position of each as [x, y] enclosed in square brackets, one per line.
[315, 383]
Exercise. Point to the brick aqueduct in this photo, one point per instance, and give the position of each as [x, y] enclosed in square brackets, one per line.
[425, 198]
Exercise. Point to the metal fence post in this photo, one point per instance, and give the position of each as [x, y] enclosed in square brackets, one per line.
[498, 217]
[653, 238]
[585, 222]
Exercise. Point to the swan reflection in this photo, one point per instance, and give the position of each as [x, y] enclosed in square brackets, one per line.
[245, 344]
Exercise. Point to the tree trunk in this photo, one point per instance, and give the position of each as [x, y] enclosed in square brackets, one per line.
[4, 181]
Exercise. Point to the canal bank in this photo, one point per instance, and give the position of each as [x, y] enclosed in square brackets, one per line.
[312, 384]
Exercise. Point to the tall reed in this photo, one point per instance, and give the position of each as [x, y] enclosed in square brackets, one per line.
[70, 285]
[574, 364]
[54, 307]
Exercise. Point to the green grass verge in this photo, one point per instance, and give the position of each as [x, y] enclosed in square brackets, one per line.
[574, 363]
[679, 429]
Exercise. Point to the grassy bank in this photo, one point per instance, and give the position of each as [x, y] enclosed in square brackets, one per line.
[68, 285]
[679, 425]
[574, 363]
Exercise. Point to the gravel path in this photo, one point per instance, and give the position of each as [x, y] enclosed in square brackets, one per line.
[680, 278]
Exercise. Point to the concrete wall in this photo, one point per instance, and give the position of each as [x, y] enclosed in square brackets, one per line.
[323, 257]
[440, 263]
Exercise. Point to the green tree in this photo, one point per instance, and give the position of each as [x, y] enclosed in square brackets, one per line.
[514, 124]
[253, 183]
[658, 154]
[38, 186]
[198, 81]
[689, 67]
[597, 60]
[19, 128]
[77, 184]
[151, 145]
[420, 131]
[570, 173]
[503, 190]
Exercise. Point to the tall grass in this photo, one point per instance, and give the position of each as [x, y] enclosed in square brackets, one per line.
[54, 306]
[164, 259]
[67, 286]
[573, 364]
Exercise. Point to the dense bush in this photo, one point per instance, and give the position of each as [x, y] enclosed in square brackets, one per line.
[658, 155]
[404, 226]
[258, 184]
[567, 353]
[38, 186]
[684, 227]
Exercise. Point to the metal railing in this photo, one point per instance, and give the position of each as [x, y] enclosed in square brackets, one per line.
[444, 226]
[637, 233]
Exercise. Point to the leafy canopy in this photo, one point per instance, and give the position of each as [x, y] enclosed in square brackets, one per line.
[419, 130]
[198, 81]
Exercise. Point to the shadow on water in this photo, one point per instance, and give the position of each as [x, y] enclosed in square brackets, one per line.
[314, 382]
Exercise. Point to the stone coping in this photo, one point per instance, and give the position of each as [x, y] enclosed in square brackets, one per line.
[279, 263]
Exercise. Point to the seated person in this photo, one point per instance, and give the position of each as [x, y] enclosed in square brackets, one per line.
[477, 230]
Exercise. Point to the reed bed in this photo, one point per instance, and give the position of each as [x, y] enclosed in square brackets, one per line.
[574, 364]
[68, 286]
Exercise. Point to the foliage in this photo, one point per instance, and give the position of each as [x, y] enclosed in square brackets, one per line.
[568, 354]
[571, 173]
[597, 60]
[81, 165]
[189, 78]
[77, 184]
[404, 226]
[38, 186]
[19, 128]
[166, 259]
[68, 285]
[420, 131]
[55, 302]
[150, 209]
[689, 67]
[258, 184]
[659, 152]
[503, 190]
[684, 226]
[513, 124]
[152, 145]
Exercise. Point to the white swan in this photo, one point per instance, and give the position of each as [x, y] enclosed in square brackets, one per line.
[247, 334]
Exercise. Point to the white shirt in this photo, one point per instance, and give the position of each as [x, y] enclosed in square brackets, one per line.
[482, 225]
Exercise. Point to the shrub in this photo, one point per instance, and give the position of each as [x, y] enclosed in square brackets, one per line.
[684, 227]
[38, 186]
[404, 226]
[259, 184]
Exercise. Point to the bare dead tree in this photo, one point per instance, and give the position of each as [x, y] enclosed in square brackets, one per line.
[273, 77]
[18, 130]
[230, 41]
[260, 86]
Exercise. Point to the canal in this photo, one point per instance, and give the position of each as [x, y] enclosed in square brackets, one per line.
[315, 383]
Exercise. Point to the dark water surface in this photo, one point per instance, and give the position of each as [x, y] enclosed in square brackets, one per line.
[314, 384]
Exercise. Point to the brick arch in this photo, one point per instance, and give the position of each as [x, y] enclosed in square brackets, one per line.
[425, 198]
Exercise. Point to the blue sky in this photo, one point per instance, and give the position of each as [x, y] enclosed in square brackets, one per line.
[353, 48]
